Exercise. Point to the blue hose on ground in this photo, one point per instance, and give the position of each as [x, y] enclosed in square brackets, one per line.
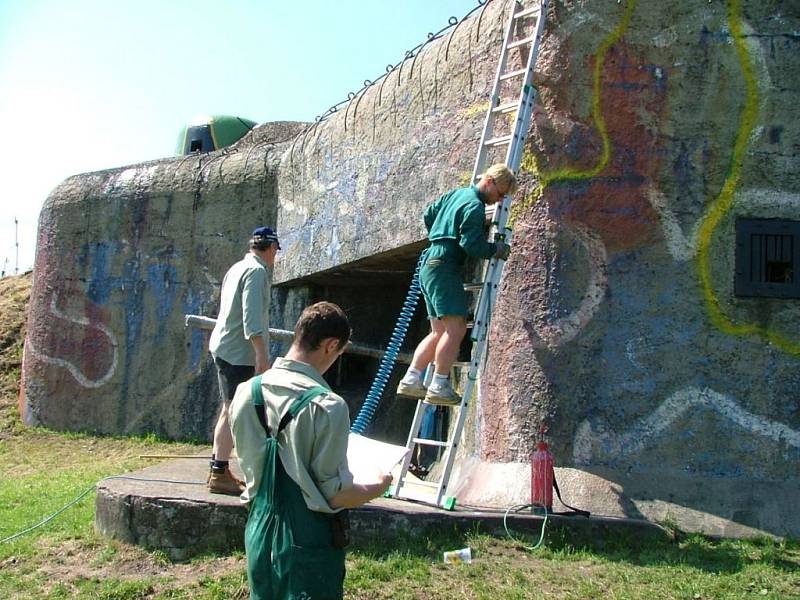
[387, 362]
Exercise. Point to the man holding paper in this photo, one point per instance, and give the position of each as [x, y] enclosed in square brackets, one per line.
[291, 433]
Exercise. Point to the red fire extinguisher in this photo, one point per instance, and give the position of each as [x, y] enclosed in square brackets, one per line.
[542, 477]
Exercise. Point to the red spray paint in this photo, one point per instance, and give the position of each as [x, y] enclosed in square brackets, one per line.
[542, 477]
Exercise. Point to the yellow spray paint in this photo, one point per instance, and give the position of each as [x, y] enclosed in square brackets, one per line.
[529, 164]
[477, 109]
[722, 203]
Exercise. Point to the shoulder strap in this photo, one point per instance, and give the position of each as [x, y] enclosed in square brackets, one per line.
[299, 404]
[258, 401]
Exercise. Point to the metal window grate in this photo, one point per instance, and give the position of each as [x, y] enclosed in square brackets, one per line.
[767, 254]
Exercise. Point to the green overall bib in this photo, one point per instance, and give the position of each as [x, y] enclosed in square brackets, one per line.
[289, 549]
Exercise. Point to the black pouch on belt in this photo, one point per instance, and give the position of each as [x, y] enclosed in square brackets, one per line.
[340, 529]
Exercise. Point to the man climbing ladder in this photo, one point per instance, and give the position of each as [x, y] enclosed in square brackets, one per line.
[455, 224]
[523, 35]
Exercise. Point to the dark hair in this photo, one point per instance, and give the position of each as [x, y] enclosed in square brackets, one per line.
[318, 322]
[260, 244]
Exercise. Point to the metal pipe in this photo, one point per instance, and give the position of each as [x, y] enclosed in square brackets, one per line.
[193, 456]
[284, 335]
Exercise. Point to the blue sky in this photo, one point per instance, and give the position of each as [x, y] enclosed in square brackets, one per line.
[96, 84]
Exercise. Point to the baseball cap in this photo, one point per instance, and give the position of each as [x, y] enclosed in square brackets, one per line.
[265, 234]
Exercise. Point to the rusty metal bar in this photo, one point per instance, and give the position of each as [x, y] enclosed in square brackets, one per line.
[286, 336]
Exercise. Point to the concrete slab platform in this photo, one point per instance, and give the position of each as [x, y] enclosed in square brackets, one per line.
[167, 507]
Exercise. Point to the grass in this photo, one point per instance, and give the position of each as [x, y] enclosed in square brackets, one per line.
[67, 559]
[44, 470]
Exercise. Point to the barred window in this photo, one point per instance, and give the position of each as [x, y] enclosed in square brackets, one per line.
[767, 255]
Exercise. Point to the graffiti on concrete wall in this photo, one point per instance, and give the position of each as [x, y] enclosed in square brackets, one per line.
[681, 246]
[566, 328]
[146, 286]
[649, 428]
[694, 244]
[722, 203]
[75, 370]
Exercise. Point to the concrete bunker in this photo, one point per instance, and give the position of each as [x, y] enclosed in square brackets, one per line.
[647, 144]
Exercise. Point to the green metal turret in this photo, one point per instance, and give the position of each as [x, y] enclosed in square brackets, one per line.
[212, 133]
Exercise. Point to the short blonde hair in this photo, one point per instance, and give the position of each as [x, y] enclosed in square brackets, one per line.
[503, 175]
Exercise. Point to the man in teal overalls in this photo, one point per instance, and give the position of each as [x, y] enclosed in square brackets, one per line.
[290, 431]
[456, 229]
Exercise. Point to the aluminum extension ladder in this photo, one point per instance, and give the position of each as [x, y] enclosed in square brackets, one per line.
[435, 492]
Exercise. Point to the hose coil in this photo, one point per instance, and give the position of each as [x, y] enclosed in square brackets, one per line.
[375, 392]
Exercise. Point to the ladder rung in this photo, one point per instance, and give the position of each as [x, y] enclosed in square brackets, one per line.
[473, 287]
[461, 364]
[506, 108]
[427, 442]
[526, 12]
[405, 491]
[512, 74]
[427, 484]
[499, 141]
[521, 42]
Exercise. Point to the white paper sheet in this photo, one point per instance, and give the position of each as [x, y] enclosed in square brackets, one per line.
[369, 458]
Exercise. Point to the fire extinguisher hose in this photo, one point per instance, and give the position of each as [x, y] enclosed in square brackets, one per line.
[572, 512]
[516, 509]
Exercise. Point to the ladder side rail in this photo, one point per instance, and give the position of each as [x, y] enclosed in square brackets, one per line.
[479, 337]
[499, 224]
[452, 449]
[502, 210]
[480, 329]
[489, 120]
[483, 311]
[521, 127]
[450, 453]
[493, 271]
[416, 425]
[521, 124]
[527, 94]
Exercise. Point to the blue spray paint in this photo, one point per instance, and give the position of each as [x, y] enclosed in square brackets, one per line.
[162, 280]
[100, 284]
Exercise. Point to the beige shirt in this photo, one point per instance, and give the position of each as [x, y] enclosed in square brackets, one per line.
[243, 311]
[312, 447]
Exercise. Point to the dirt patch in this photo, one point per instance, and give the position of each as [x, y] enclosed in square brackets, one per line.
[15, 293]
[73, 561]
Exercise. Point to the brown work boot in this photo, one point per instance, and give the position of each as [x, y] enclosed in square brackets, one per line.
[223, 482]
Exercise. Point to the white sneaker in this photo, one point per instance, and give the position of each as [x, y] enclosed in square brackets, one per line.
[443, 396]
[413, 389]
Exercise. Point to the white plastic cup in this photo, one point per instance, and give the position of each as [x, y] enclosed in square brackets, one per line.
[454, 557]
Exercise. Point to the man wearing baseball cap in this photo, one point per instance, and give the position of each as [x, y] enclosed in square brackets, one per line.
[240, 343]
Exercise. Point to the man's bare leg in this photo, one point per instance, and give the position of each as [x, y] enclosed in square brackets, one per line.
[223, 439]
[412, 385]
[440, 390]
